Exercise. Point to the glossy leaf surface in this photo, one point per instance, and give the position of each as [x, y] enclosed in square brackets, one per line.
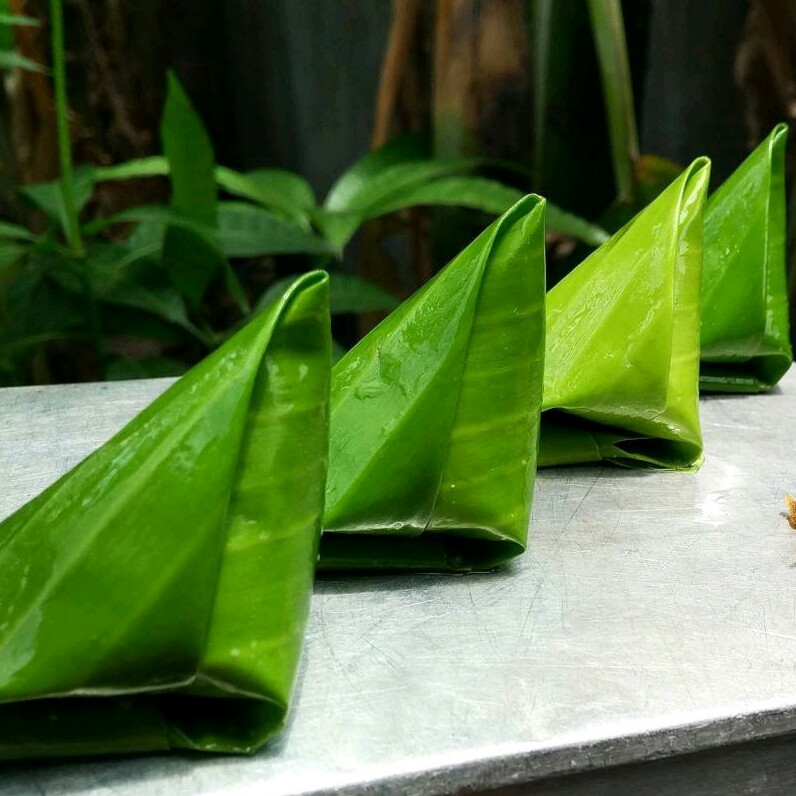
[155, 596]
[434, 414]
[622, 361]
[745, 334]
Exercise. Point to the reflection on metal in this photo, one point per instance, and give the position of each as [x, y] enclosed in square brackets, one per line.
[654, 614]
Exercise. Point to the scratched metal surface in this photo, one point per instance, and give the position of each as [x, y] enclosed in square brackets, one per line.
[654, 614]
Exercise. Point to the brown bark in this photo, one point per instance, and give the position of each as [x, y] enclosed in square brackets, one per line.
[765, 67]
[32, 115]
[402, 105]
[482, 101]
[397, 65]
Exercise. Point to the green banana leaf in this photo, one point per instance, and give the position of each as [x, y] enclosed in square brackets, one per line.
[434, 415]
[622, 360]
[745, 335]
[155, 597]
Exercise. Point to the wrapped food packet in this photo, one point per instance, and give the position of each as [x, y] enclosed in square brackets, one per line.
[622, 359]
[155, 596]
[435, 413]
[745, 334]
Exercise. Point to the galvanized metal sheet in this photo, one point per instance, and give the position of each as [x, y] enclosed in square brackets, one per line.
[654, 614]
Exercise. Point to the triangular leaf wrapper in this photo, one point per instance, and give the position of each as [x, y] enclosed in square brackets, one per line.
[155, 596]
[434, 415]
[745, 334]
[622, 361]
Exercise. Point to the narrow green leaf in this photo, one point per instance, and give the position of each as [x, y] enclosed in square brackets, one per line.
[609, 37]
[154, 166]
[15, 232]
[19, 20]
[11, 59]
[189, 153]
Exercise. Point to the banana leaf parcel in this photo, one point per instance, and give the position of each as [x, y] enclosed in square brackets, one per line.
[155, 596]
[622, 360]
[745, 335]
[434, 414]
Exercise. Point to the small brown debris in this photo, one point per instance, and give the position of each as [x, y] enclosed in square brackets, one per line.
[790, 502]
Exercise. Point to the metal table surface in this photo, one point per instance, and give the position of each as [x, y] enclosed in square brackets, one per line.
[654, 614]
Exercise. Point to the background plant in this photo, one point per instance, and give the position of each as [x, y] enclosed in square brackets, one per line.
[137, 266]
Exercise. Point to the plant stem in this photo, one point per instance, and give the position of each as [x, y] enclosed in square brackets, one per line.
[608, 29]
[70, 221]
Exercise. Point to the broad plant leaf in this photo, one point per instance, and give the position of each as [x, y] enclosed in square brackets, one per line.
[491, 196]
[189, 153]
[366, 195]
[130, 275]
[403, 174]
[622, 360]
[351, 184]
[248, 231]
[243, 230]
[399, 166]
[434, 414]
[191, 260]
[745, 331]
[48, 198]
[192, 247]
[275, 189]
[167, 577]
